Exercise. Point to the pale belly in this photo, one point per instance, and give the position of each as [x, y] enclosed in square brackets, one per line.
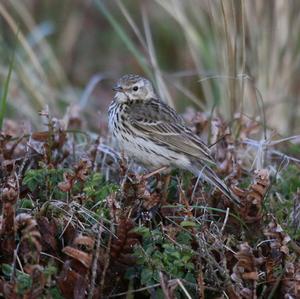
[149, 154]
[143, 151]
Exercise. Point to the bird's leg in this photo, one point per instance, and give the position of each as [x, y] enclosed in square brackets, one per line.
[149, 175]
[165, 179]
[123, 164]
[166, 182]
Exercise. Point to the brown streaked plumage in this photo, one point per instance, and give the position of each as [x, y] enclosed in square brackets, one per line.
[152, 133]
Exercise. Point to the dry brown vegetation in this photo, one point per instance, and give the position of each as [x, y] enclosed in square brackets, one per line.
[67, 232]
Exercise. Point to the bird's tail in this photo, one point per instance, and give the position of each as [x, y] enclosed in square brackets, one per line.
[211, 177]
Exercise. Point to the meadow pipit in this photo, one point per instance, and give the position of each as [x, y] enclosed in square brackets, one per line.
[152, 133]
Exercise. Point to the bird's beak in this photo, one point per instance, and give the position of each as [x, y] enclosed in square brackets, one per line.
[118, 88]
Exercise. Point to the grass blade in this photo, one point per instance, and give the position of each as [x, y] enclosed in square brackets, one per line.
[124, 37]
[3, 103]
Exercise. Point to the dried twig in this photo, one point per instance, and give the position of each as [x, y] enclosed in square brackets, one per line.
[95, 259]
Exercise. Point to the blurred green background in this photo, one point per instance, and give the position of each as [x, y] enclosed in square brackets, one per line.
[230, 56]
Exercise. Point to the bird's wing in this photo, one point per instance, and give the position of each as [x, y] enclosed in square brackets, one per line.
[162, 124]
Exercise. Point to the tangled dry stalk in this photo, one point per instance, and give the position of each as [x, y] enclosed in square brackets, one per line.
[78, 222]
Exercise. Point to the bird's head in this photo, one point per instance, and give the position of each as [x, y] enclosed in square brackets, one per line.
[133, 87]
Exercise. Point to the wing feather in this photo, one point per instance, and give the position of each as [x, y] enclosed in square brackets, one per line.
[162, 124]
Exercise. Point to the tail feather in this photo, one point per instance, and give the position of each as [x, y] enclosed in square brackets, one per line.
[210, 176]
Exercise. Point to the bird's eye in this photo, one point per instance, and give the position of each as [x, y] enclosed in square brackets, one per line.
[135, 88]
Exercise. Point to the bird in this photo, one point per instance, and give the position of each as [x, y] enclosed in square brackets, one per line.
[152, 133]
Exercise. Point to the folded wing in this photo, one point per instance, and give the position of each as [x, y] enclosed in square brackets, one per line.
[162, 124]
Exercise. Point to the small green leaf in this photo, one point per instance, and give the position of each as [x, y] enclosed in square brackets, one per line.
[6, 269]
[24, 280]
[55, 293]
[188, 224]
[146, 276]
[26, 203]
[50, 270]
[184, 238]
[176, 254]
[144, 231]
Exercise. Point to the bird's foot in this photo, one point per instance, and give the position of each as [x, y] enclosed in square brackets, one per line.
[152, 173]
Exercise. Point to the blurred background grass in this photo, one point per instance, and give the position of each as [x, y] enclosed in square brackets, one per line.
[232, 55]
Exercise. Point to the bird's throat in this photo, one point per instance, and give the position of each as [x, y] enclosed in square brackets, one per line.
[121, 97]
